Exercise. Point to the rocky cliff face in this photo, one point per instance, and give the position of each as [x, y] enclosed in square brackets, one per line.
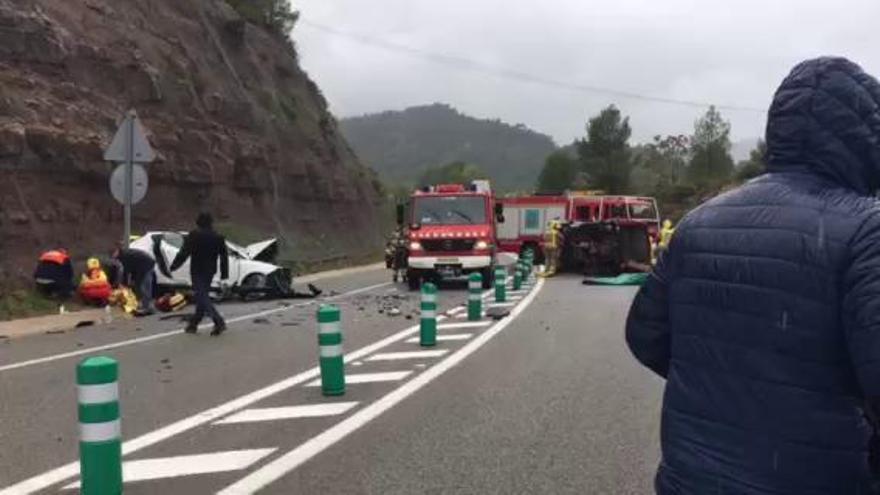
[239, 129]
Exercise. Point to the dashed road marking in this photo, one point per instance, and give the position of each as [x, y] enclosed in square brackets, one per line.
[354, 378]
[398, 356]
[502, 305]
[291, 412]
[188, 465]
[444, 338]
[467, 324]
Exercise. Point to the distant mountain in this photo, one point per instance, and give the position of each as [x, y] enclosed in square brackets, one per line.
[400, 145]
[740, 150]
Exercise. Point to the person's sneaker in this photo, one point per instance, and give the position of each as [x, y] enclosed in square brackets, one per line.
[191, 328]
[218, 329]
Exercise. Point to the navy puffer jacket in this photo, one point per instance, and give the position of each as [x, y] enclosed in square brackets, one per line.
[764, 316]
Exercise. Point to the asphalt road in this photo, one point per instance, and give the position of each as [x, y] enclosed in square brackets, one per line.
[546, 400]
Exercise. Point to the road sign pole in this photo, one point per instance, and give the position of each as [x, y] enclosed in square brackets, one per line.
[129, 165]
[330, 343]
[100, 438]
[475, 297]
[428, 326]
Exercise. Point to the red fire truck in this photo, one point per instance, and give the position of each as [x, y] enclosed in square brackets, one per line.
[527, 217]
[452, 232]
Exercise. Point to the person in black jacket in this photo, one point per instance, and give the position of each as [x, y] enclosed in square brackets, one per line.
[763, 316]
[204, 247]
[137, 273]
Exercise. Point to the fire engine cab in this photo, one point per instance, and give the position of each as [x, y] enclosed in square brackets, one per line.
[452, 232]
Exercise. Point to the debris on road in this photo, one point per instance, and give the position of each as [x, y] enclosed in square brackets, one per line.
[55, 332]
[262, 321]
[84, 323]
[497, 313]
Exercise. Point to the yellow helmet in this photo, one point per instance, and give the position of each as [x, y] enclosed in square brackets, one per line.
[667, 224]
[93, 263]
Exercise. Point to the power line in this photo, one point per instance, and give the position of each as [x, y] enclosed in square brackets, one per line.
[503, 72]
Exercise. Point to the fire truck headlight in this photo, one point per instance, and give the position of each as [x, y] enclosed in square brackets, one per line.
[415, 246]
[482, 245]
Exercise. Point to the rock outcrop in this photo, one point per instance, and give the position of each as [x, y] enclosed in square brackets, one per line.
[239, 128]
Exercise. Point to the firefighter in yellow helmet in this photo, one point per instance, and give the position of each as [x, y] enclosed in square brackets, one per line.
[551, 248]
[666, 234]
[93, 286]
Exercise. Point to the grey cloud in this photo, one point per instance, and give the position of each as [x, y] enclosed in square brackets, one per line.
[716, 51]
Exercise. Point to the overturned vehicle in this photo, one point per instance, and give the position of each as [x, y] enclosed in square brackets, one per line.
[606, 248]
[252, 271]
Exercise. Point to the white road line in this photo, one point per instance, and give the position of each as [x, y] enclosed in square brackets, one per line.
[187, 465]
[502, 305]
[464, 315]
[70, 470]
[445, 338]
[294, 458]
[353, 378]
[291, 412]
[466, 324]
[455, 310]
[163, 335]
[398, 356]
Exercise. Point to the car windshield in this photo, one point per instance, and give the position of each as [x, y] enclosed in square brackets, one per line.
[449, 210]
[642, 211]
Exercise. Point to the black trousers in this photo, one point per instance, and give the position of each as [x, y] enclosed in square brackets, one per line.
[204, 305]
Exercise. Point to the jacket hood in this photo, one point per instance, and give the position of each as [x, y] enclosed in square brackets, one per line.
[825, 119]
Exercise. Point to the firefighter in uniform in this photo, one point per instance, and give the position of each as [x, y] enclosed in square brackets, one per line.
[94, 288]
[551, 248]
[666, 234]
[54, 273]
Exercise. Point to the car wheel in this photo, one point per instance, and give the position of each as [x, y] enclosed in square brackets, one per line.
[251, 285]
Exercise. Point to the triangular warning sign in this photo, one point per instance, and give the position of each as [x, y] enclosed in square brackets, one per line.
[130, 133]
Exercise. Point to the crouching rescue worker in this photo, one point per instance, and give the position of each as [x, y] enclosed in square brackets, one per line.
[94, 288]
[137, 273]
[54, 274]
[204, 248]
[764, 315]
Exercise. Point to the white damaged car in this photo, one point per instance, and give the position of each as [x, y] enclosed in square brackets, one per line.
[250, 269]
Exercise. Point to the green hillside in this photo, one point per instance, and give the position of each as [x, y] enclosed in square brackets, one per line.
[401, 145]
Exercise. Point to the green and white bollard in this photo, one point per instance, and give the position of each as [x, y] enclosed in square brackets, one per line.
[530, 265]
[330, 344]
[517, 277]
[428, 327]
[100, 437]
[500, 285]
[475, 297]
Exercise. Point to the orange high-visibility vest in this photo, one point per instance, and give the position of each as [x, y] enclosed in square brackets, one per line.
[56, 256]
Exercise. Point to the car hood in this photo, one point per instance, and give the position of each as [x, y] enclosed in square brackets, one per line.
[262, 251]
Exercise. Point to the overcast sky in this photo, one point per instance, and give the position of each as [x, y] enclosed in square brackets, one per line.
[726, 52]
